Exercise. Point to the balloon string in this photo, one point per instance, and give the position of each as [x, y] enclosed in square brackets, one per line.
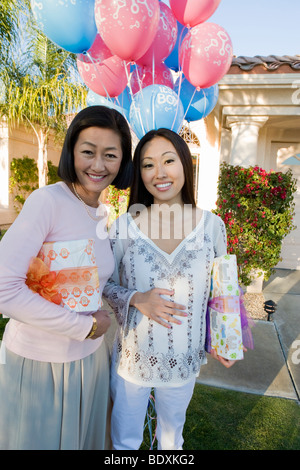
[178, 101]
[153, 69]
[188, 107]
[206, 102]
[128, 81]
[136, 110]
[151, 421]
[138, 77]
[97, 72]
[152, 101]
[178, 49]
[141, 90]
[180, 76]
[121, 103]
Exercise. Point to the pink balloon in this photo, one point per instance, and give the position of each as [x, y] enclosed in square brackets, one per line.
[143, 76]
[193, 12]
[101, 71]
[127, 27]
[205, 54]
[164, 40]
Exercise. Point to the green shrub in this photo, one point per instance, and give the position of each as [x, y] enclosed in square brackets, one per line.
[24, 178]
[257, 208]
[2, 232]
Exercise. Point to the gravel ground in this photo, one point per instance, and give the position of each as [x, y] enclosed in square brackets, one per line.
[254, 304]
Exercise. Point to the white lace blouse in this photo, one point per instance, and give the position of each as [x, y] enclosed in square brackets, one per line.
[145, 352]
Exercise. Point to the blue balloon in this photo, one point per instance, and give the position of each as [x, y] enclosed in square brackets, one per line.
[69, 24]
[124, 100]
[153, 107]
[93, 99]
[212, 96]
[132, 66]
[172, 60]
[196, 104]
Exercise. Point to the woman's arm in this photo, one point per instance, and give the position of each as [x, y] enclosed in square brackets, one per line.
[120, 298]
[116, 295]
[220, 250]
[21, 242]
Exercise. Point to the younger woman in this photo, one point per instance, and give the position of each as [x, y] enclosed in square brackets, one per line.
[164, 249]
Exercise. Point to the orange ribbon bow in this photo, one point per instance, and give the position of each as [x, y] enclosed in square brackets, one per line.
[43, 281]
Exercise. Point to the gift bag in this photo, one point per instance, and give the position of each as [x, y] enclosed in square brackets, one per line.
[223, 318]
[66, 273]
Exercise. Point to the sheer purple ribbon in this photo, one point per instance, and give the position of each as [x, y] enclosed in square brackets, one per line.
[217, 303]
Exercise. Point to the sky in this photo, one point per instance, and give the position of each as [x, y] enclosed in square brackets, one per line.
[261, 27]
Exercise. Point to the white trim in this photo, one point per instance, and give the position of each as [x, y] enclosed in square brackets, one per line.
[261, 79]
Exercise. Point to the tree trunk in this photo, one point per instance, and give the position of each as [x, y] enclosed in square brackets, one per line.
[4, 164]
[42, 158]
[42, 162]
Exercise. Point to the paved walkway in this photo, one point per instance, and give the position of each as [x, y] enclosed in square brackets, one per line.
[273, 367]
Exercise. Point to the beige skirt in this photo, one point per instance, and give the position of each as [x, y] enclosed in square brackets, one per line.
[51, 406]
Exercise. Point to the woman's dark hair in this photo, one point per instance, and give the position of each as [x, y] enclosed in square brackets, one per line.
[106, 118]
[138, 193]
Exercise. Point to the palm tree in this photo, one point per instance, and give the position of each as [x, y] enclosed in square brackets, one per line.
[41, 89]
[9, 12]
[12, 14]
[43, 106]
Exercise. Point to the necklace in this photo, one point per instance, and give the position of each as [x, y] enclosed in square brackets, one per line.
[86, 207]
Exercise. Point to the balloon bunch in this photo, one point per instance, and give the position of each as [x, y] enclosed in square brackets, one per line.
[128, 52]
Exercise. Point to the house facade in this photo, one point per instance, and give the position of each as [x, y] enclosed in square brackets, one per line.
[16, 143]
[255, 122]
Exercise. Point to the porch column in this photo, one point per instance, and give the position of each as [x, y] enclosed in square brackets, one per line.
[4, 165]
[244, 138]
[208, 170]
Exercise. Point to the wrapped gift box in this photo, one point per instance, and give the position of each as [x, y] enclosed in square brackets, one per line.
[75, 280]
[223, 319]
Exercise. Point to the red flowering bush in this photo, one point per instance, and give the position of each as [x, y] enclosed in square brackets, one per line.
[257, 208]
[117, 201]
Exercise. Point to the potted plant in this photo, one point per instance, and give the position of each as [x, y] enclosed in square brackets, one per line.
[257, 208]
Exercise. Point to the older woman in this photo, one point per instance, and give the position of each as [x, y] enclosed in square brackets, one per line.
[54, 385]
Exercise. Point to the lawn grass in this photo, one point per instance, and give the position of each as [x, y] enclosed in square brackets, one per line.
[219, 419]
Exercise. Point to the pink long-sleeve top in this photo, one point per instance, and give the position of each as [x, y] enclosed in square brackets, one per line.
[38, 329]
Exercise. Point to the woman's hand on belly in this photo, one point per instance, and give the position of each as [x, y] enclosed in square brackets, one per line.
[154, 306]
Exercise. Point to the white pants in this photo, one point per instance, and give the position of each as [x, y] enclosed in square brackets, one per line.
[130, 402]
